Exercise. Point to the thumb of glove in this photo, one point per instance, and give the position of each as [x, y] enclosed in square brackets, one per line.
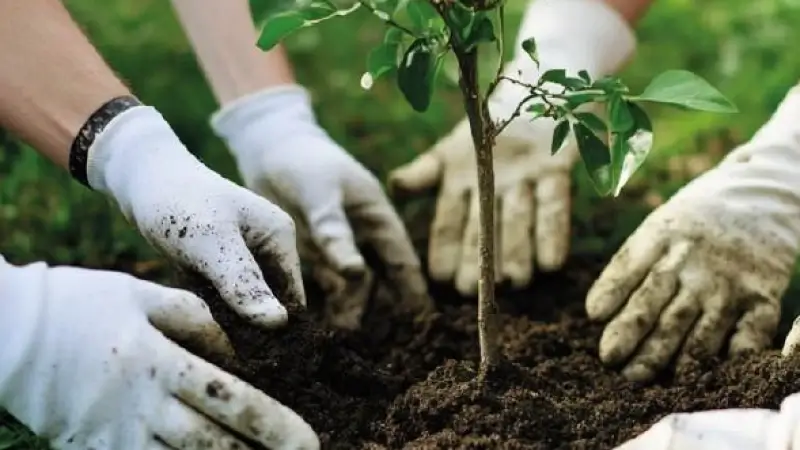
[419, 175]
[184, 317]
[426, 170]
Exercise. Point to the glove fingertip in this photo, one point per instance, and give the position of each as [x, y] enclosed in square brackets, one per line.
[268, 313]
[419, 175]
[345, 256]
[598, 302]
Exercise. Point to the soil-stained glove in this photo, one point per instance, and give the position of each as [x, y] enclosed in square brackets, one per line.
[283, 154]
[204, 222]
[84, 364]
[533, 187]
[714, 260]
[725, 429]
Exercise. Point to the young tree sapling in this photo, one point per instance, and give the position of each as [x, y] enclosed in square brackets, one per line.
[419, 35]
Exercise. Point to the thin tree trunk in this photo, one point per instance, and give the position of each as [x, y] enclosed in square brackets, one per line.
[483, 138]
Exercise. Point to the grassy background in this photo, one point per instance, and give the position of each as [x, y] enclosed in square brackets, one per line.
[743, 47]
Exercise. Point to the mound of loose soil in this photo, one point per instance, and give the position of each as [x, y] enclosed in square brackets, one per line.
[394, 384]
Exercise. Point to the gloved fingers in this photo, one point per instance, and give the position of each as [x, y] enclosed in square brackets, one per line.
[271, 232]
[346, 299]
[333, 234]
[447, 233]
[553, 199]
[236, 405]
[627, 268]
[379, 225]
[657, 350]
[516, 235]
[231, 268]
[183, 317]
[421, 174]
[791, 345]
[181, 427]
[624, 333]
[469, 272]
[756, 328]
[708, 335]
[725, 429]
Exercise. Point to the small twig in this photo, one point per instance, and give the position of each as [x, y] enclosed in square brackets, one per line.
[384, 16]
[532, 87]
[500, 51]
[501, 125]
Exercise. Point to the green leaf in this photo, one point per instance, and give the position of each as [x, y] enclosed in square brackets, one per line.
[560, 134]
[610, 85]
[591, 121]
[559, 76]
[640, 118]
[632, 151]
[553, 76]
[277, 26]
[460, 19]
[383, 58]
[579, 98]
[482, 31]
[584, 75]
[537, 110]
[386, 6]
[416, 74]
[619, 116]
[529, 45]
[422, 15]
[683, 88]
[595, 156]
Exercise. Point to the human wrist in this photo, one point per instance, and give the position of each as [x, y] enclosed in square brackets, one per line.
[137, 145]
[267, 118]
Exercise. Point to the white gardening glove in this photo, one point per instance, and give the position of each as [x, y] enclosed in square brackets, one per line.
[202, 221]
[283, 154]
[532, 187]
[714, 260]
[84, 364]
[725, 429]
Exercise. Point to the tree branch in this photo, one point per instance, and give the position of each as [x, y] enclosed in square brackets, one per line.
[384, 16]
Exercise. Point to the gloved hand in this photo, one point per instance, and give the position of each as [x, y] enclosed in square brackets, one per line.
[532, 187]
[199, 219]
[84, 364]
[724, 429]
[283, 154]
[715, 259]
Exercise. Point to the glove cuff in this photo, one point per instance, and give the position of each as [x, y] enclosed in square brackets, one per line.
[261, 120]
[783, 126]
[139, 145]
[576, 35]
[570, 34]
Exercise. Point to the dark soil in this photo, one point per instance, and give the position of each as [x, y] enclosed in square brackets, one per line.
[397, 385]
[394, 384]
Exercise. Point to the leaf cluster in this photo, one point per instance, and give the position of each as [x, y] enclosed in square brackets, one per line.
[421, 32]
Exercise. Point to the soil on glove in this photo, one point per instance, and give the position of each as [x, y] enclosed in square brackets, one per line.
[396, 384]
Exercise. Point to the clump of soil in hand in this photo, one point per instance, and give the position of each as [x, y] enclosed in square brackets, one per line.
[393, 384]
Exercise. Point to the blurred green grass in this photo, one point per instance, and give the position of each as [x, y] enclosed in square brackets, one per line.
[744, 48]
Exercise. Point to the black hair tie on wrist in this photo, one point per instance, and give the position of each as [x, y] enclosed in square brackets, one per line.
[94, 125]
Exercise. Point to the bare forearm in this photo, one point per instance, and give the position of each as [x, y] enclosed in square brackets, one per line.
[52, 78]
[224, 38]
